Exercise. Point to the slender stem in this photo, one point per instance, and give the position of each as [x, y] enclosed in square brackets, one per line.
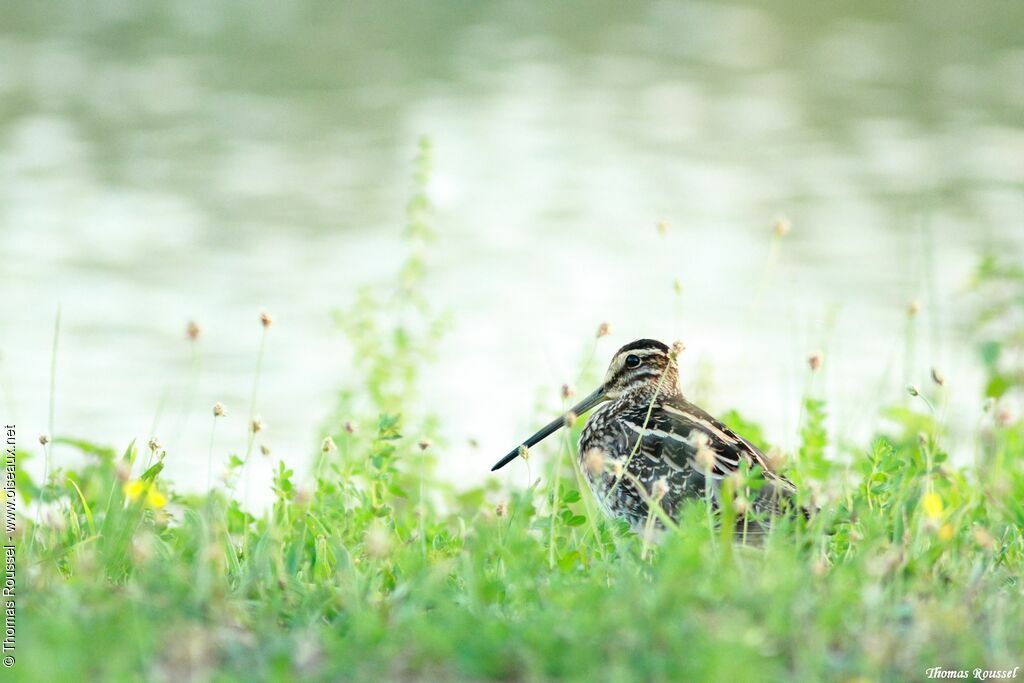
[422, 476]
[909, 345]
[48, 446]
[769, 267]
[318, 472]
[209, 458]
[592, 511]
[648, 532]
[707, 504]
[158, 412]
[556, 476]
[585, 366]
[53, 397]
[650, 502]
[746, 495]
[252, 414]
[190, 391]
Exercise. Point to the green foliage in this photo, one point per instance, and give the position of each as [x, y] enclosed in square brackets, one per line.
[392, 329]
[361, 579]
[812, 465]
[750, 430]
[999, 325]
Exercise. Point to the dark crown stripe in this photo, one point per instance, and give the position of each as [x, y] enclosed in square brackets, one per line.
[643, 344]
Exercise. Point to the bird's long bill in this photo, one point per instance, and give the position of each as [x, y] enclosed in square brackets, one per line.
[553, 426]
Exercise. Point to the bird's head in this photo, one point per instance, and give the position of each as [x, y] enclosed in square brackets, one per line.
[645, 369]
[645, 366]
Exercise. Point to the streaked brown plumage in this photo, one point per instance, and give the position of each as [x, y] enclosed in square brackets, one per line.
[647, 436]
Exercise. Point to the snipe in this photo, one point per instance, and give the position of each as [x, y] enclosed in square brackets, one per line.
[648, 443]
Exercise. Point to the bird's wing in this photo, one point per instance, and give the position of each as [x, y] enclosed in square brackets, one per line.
[676, 429]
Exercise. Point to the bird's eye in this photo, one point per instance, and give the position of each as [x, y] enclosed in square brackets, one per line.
[632, 361]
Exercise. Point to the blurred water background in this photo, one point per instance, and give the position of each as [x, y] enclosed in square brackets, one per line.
[161, 162]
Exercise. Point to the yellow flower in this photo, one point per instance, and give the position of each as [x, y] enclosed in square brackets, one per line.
[932, 505]
[946, 532]
[133, 489]
[136, 489]
[154, 498]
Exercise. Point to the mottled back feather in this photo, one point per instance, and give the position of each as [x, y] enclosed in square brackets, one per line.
[660, 438]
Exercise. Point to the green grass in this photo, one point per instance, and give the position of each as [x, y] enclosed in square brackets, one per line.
[375, 570]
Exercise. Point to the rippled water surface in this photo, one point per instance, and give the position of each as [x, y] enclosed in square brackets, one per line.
[206, 160]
